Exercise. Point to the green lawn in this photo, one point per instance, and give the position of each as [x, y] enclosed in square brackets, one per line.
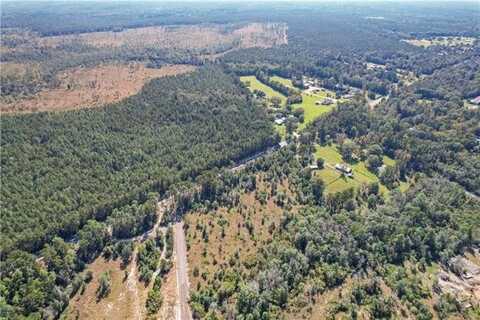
[282, 131]
[312, 111]
[361, 175]
[286, 82]
[333, 180]
[257, 85]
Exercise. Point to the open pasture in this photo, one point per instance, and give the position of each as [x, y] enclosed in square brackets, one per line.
[253, 84]
[335, 181]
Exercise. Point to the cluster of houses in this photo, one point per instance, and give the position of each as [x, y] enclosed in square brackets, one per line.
[341, 167]
[313, 85]
[309, 82]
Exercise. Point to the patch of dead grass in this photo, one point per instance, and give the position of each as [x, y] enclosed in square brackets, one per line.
[220, 250]
[119, 304]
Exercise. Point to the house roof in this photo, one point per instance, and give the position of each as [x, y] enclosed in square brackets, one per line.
[476, 100]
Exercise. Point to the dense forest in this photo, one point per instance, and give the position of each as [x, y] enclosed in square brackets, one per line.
[167, 132]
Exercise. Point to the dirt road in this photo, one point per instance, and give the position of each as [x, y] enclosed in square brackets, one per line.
[182, 311]
[132, 279]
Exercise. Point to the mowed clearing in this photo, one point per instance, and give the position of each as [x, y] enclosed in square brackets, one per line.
[91, 87]
[335, 181]
[311, 110]
[286, 82]
[253, 84]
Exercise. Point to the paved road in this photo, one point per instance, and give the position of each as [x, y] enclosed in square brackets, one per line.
[182, 308]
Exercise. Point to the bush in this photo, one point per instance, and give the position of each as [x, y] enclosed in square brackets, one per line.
[104, 285]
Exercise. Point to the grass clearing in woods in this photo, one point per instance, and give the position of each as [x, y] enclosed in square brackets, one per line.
[442, 41]
[285, 81]
[335, 181]
[312, 111]
[257, 85]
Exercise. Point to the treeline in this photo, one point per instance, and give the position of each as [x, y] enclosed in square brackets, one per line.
[134, 219]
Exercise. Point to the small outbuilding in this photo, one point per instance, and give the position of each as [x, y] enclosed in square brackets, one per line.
[280, 121]
[283, 144]
[476, 100]
[325, 101]
[343, 168]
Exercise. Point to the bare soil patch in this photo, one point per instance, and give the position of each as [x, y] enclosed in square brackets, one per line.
[90, 87]
[169, 293]
[119, 304]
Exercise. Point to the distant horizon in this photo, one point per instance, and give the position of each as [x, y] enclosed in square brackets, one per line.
[247, 1]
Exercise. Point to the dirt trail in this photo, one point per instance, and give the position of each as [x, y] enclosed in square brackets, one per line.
[132, 286]
[132, 279]
[182, 309]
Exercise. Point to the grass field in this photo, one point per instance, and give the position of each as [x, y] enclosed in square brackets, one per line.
[335, 182]
[312, 111]
[442, 41]
[286, 82]
[257, 85]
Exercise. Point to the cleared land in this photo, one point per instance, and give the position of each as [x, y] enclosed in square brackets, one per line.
[128, 295]
[124, 301]
[253, 84]
[335, 181]
[442, 41]
[312, 111]
[91, 87]
[181, 37]
[228, 240]
[284, 81]
[68, 59]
